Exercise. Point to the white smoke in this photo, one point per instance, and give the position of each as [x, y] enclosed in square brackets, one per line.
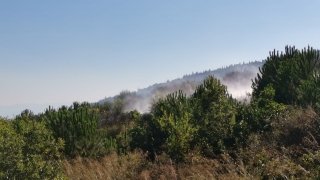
[238, 79]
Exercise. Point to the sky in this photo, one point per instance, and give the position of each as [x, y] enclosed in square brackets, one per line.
[57, 52]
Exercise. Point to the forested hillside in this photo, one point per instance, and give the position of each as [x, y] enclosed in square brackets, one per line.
[202, 133]
[237, 77]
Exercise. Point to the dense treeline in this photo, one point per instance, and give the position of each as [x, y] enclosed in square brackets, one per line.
[273, 136]
[233, 75]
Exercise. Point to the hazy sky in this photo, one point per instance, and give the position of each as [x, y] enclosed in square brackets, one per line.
[65, 51]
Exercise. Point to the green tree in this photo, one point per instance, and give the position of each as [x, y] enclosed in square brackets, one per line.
[28, 151]
[77, 126]
[293, 75]
[10, 150]
[168, 128]
[258, 115]
[214, 113]
[174, 116]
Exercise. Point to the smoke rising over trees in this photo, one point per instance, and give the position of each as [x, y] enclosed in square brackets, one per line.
[238, 79]
[273, 135]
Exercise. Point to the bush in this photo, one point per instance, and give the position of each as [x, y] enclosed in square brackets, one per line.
[76, 125]
[258, 116]
[10, 150]
[178, 124]
[167, 129]
[214, 112]
[28, 151]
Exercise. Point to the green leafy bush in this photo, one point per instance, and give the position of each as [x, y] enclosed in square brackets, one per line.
[214, 112]
[10, 150]
[178, 124]
[174, 117]
[77, 126]
[258, 115]
[143, 131]
[168, 128]
[28, 151]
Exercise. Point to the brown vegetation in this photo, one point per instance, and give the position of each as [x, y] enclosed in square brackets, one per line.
[136, 166]
[289, 151]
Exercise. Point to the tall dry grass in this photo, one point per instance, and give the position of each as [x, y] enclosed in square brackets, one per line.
[289, 151]
[136, 166]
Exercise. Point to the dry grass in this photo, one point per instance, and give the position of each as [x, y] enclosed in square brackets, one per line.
[290, 151]
[135, 166]
[109, 167]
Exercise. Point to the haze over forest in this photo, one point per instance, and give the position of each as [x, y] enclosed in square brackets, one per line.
[237, 77]
[55, 53]
[160, 89]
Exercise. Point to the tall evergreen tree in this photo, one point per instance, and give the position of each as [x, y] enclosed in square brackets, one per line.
[291, 74]
[214, 113]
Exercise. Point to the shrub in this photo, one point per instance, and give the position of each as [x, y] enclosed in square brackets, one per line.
[76, 125]
[258, 116]
[214, 113]
[178, 124]
[28, 151]
[10, 150]
[167, 129]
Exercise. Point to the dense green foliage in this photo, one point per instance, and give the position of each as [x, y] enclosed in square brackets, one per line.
[76, 125]
[257, 117]
[178, 124]
[168, 128]
[294, 76]
[281, 120]
[28, 150]
[214, 113]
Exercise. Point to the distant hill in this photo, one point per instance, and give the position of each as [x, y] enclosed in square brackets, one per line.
[220, 73]
[236, 77]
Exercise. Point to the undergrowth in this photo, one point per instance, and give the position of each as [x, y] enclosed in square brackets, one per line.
[289, 151]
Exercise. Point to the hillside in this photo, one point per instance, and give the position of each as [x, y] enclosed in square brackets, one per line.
[237, 77]
[207, 134]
